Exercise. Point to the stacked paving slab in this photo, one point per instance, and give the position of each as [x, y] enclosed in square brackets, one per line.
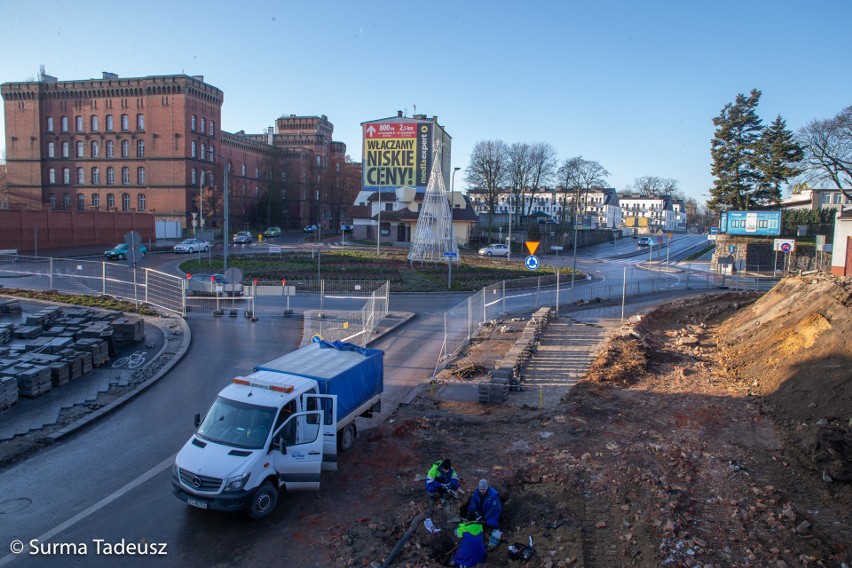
[57, 345]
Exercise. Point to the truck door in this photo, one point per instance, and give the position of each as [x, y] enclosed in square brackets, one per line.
[327, 403]
[299, 464]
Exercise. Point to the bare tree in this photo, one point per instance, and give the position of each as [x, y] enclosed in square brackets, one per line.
[519, 169]
[487, 170]
[828, 151]
[543, 168]
[577, 176]
[650, 186]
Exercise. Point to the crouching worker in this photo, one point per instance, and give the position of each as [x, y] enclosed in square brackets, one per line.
[485, 505]
[471, 549]
[441, 479]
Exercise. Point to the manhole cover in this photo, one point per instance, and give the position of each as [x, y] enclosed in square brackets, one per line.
[14, 505]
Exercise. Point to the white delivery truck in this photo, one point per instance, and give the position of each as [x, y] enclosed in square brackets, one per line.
[278, 428]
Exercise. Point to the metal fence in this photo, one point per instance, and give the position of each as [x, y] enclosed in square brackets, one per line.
[93, 278]
[528, 294]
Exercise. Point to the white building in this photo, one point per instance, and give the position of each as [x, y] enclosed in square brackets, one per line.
[598, 206]
[648, 214]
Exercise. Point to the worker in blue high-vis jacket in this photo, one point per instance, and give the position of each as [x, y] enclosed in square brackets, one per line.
[485, 505]
[441, 478]
[471, 550]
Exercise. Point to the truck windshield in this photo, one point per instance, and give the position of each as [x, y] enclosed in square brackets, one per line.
[237, 424]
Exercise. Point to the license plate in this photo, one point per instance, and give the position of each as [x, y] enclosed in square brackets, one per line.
[196, 503]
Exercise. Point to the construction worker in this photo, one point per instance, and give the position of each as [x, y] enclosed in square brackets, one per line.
[441, 479]
[471, 550]
[485, 505]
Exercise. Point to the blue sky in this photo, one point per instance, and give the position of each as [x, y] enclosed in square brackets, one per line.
[633, 85]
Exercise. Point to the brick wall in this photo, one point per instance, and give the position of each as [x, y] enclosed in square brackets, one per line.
[68, 229]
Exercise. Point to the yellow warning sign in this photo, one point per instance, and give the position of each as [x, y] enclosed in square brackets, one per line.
[531, 246]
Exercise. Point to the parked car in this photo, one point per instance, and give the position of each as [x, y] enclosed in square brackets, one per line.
[494, 250]
[212, 285]
[645, 241]
[192, 245]
[310, 229]
[243, 237]
[120, 251]
[272, 232]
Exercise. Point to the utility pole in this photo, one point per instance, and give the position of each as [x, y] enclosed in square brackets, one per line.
[227, 169]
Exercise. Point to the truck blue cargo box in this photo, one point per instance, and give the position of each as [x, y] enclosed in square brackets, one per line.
[354, 373]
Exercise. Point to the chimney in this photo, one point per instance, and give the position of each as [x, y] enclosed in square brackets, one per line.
[108, 75]
[399, 113]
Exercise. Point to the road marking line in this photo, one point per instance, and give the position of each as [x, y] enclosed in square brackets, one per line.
[168, 462]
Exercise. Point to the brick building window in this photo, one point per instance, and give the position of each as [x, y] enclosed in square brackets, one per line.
[51, 176]
[96, 201]
[94, 123]
[140, 148]
[63, 124]
[66, 201]
[140, 122]
[50, 124]
[125, 122]
[96, 176]
[53, 201]
[212, 128]
[110, 176]
[51, 150]
[203, 152]
[212, 153]
[81, 202]
[125, 202]
[194, 152]
[79, 149]
[65, 150]
[110, 149]
[81, 176]
[110, 201]
[66, 176]
[203, 177]
[140, 176]
[110, 125]
[140, 202]
[203, 125]
[125, 175]
[125, 149]
[193, 176]
[78, 123]
[244, 169]
[194, 121]
[95, 149]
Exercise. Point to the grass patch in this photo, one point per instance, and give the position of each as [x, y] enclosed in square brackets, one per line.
[472, 273]
[99, 302]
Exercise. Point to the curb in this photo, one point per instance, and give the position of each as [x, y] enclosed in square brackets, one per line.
[174, 355]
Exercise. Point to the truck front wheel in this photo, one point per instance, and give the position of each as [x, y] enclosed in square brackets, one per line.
[347, 438]
[263, 502]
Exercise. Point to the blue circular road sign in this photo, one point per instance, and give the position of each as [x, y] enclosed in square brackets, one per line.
[531, 262]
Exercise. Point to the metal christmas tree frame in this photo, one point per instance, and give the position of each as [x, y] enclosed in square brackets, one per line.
[434, 235]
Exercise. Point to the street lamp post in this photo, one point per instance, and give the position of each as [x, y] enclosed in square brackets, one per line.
[452, 199]
[576, 208]
[227, 214]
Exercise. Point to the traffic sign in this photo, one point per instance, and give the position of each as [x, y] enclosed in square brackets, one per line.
[784, 245]
[449, 254]
[532, 246]
[316, 338]
[531, 262]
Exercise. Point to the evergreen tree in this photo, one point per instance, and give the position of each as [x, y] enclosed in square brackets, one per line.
[777, 160]
[736, 141]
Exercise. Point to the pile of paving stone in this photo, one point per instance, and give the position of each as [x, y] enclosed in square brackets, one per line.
[10, 307]
[57, 345]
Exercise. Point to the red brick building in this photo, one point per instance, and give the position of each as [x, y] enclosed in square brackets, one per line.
[149, 144]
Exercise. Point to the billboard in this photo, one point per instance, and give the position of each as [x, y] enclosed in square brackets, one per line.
[397, 154]
[757, 223]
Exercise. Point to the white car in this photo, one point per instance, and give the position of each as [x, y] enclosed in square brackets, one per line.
[494, 250]
[192, 245]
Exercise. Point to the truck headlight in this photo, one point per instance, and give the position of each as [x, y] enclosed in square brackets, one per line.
[237, 482]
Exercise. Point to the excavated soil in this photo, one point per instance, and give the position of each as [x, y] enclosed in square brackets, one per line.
[714, 432]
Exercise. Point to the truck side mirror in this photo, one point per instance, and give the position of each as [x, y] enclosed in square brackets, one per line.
[279, 445]
[197, 420]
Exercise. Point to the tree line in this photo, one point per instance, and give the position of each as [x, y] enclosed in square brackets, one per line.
[751, 162]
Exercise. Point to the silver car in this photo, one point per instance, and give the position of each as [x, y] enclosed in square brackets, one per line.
[494, 250]
[192, 245]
